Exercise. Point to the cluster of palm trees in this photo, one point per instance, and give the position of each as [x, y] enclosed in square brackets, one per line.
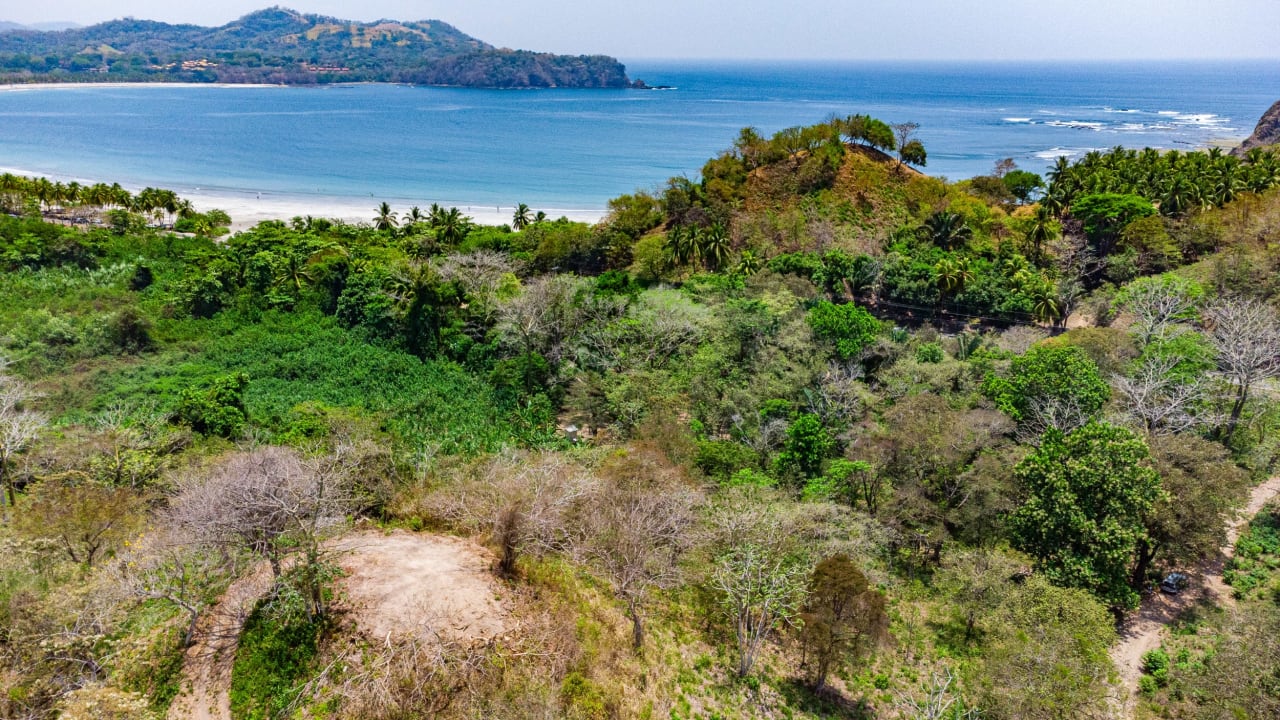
[55, 196]
[1178, 182]
[449, 224]
[708, 246]
[16, 190]
[523, 217]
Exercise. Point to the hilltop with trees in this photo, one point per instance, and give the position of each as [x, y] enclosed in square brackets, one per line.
[811, 434]
[282, 46]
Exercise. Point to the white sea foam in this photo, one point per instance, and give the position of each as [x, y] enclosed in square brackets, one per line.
[1076, 124]
[1199, 119]
[1016, 120]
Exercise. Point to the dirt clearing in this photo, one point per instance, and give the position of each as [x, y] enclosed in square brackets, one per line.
[396, 583]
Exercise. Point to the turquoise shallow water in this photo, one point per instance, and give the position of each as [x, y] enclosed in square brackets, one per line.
[567, 149]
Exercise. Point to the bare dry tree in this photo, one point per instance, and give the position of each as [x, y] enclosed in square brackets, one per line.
[20, 425]
[1043, 413]
[636, 532]
[542, 317]
[1162, 307]
[1159, 401]
[938, 703]
[484, 275]
[759, 571]
[523, 502]
[272, 502]
[165, 565]
[1246, 337]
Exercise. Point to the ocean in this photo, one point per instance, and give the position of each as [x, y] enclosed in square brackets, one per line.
[570, 151]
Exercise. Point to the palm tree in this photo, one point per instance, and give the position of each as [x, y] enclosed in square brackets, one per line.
[414, 216]
[386, 219]
[541, 217]
[1041, 230]
[453, 227]
[951, 274]
[947, 230]
[748, 263]
[435, 214]
[681, 246]
[712, 245]
[1045, 304]
[521, 218]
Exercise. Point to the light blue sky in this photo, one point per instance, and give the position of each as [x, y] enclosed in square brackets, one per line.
[794, 29]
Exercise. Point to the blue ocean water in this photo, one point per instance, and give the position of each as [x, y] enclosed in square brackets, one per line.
[566, 149]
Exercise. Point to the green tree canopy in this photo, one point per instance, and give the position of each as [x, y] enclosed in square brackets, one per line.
[1105, 215]
[1088, 494]
[848, 326]
[1047, 376]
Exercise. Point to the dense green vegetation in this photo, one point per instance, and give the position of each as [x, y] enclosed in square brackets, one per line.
[282, 46]
[809, 436]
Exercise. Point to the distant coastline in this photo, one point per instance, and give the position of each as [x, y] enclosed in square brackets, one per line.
[17, 86]
[283, 47]
[568, 152]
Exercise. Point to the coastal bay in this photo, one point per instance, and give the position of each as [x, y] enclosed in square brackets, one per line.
[267, 152]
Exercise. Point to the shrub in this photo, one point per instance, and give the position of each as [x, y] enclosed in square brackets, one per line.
[720, 459]
[275, 652]
[849, 327]
[929, 353]
[218, 409]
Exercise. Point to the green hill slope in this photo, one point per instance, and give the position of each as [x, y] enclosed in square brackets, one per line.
[283, 46]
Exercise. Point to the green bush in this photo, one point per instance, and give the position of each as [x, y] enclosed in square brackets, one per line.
[1148, 686]
[720, 459]
[218, 409]
[929, 353]
[583, 699]
[849, 327]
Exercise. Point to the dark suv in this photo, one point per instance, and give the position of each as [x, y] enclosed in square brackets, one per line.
[1174, 583]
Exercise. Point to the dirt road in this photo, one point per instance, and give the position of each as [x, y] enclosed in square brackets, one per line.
[1144, 631]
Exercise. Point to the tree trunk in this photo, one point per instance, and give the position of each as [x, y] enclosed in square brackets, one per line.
[1237, 409]
[637, 625]
[5, 502]
[1146, 553]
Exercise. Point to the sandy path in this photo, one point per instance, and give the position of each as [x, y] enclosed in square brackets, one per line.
[1144, 631]
[395, 583]
[206, 668]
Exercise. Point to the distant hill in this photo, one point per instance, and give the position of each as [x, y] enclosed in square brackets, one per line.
[6, 26]
[1266, 134]
[278, 45]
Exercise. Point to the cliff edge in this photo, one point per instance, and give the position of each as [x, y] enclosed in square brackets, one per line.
[1267, 132]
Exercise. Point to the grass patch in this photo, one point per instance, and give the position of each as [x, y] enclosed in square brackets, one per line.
[294, 359]
[1257, 554]
[275, 655]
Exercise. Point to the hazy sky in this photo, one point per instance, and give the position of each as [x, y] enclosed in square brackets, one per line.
[861, 29]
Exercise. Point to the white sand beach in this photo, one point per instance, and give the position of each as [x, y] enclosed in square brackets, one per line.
[248, 209]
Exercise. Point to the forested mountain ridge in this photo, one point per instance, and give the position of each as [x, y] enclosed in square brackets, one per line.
[278, 45]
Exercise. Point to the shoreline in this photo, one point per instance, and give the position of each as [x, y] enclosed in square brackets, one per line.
[249, 207]
[18, 87]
